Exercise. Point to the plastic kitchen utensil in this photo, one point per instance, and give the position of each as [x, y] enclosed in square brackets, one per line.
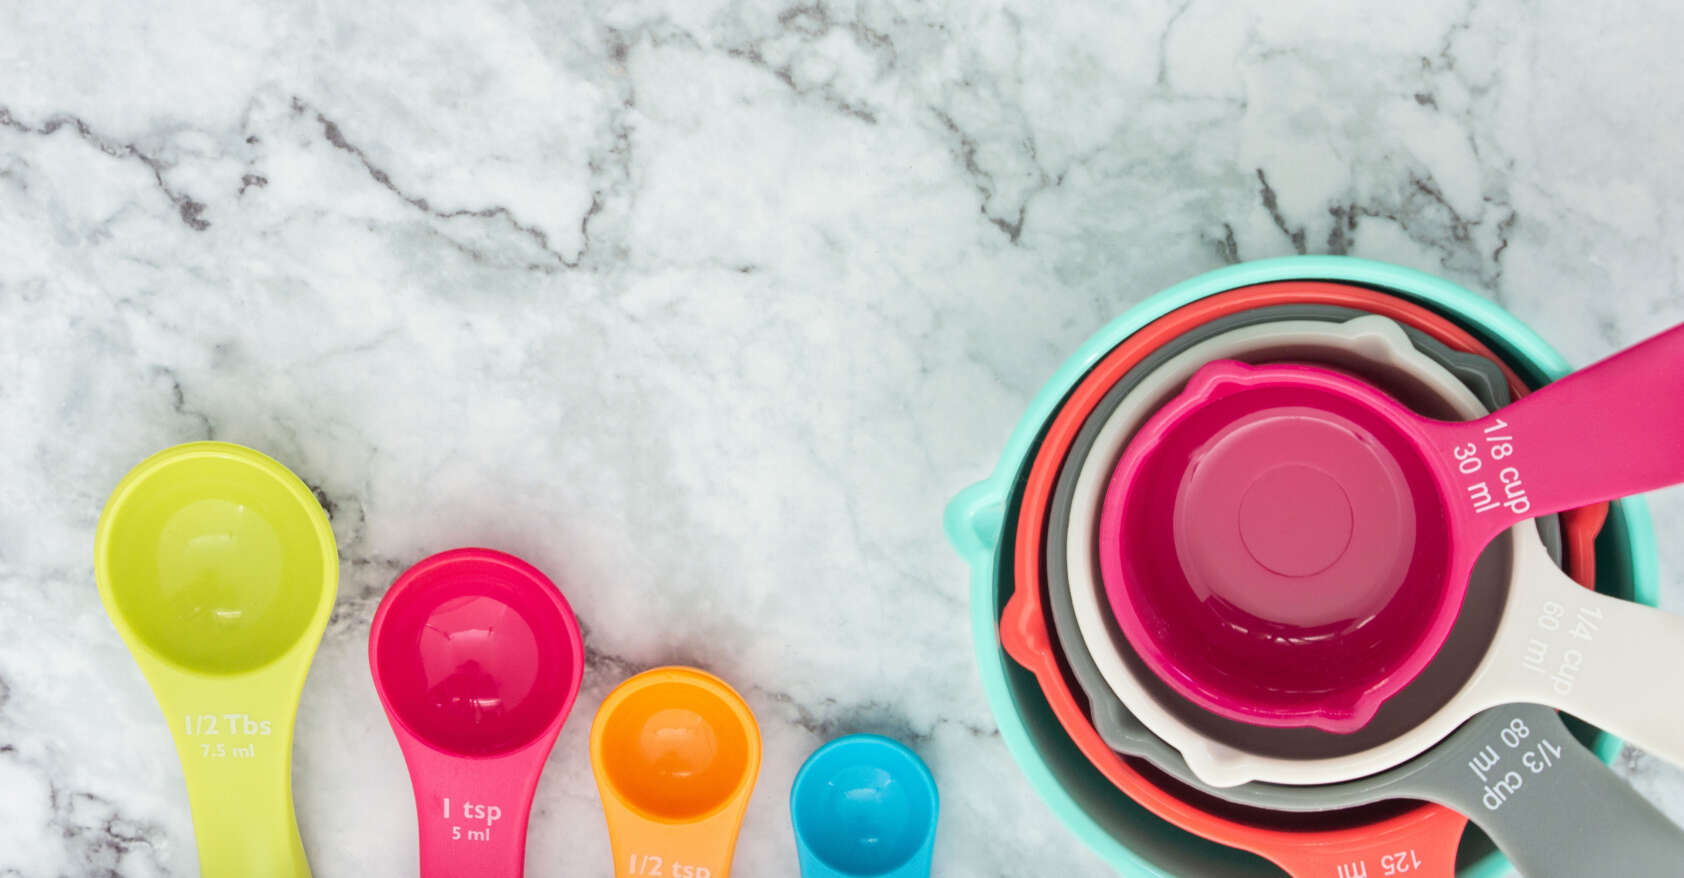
[1074, 773]
[1125, 356]
[1370, 347]
[676, 753]
[477, 659]
[864, 805]
[1218, 752]
[1532, 819]
[1299, 850]
[1384, 513]
[1374, 347]
[218, 568]
[1024, 614]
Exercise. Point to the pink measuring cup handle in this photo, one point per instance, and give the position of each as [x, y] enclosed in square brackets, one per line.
[1611, 430]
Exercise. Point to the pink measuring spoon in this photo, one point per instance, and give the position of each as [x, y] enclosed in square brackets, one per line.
[477, 659]
[1288, 546]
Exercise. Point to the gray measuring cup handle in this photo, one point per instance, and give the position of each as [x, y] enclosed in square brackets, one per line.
[1547, 802]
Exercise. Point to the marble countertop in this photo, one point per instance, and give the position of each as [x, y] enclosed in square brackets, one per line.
[707, 308]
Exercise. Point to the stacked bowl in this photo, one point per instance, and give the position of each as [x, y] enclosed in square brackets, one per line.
[1224, 638]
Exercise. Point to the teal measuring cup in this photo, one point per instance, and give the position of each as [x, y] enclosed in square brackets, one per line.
[864, 806]
[981, 521]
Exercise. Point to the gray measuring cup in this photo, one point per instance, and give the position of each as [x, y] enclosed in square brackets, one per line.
[1515, 771]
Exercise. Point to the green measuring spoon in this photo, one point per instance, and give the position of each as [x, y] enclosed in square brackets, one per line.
[218, 568]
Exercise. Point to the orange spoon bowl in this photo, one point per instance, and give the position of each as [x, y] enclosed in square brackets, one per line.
[676, 752]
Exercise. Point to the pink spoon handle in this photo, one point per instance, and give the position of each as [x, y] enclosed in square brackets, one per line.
[1612, 430]
[472, 814]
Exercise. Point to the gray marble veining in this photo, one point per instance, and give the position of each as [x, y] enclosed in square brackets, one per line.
[706, 308]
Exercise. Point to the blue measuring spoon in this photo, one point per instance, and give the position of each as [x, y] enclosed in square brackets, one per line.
[864, 806]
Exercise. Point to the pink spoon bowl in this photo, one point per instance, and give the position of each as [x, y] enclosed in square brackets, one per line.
[477, 659]
[1288, 546]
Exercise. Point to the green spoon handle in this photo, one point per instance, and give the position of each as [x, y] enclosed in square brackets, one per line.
[237, 760]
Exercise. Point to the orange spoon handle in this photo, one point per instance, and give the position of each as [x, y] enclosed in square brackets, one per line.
[648, 849]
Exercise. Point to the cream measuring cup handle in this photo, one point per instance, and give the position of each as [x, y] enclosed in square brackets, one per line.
[1594, 656]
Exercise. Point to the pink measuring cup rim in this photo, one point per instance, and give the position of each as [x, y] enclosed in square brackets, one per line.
[1278, 548]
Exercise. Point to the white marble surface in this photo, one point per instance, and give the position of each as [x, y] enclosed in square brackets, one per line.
[706, 308]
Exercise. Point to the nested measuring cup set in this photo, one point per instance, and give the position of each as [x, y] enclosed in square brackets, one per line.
[1302, 558]
[219, 570]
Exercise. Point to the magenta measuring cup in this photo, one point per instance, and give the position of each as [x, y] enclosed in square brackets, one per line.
[1288, 546]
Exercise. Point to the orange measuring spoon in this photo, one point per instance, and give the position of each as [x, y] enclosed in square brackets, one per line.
[676, 753]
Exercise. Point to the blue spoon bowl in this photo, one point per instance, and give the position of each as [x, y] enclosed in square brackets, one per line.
[864, 806]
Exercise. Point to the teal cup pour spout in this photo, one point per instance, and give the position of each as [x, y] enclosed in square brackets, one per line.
[864, 806]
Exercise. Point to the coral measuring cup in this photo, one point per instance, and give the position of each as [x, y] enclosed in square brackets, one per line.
[218, 568]
[676, 753]
[477, 659]
[1287, 546]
